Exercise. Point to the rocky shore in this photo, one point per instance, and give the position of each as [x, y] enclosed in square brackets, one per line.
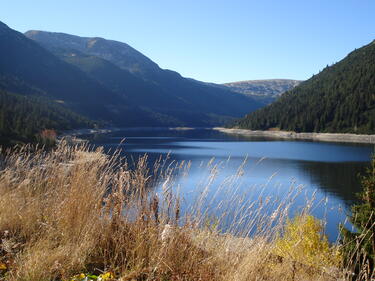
[327, 137]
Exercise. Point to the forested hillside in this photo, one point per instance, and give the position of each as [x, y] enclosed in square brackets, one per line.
[341, 98]
[23, 119]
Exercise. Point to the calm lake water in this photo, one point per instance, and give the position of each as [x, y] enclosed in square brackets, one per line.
[270, 169]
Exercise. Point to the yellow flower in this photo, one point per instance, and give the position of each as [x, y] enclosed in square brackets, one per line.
[3, 266]
[78, 277]
[106, 276]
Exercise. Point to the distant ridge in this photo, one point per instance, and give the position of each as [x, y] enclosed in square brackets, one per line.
[265, 90]
[276, 80]
[119, 53]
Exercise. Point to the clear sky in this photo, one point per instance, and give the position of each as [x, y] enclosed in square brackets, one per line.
[213, 40]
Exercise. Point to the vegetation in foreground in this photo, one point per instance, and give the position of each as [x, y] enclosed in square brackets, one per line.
[74, 213]
[360, 246]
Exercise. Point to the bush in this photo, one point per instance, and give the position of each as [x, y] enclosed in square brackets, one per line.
[303, 241]
[359, 246]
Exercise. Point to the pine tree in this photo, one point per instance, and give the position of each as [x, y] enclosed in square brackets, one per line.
[359, 246]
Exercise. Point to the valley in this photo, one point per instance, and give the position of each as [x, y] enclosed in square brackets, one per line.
[114, 166]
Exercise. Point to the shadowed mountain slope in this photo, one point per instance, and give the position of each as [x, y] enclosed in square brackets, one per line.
[135, 77]
[27, 68]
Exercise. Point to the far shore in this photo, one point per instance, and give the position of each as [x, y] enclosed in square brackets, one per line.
[326, 137]
[90, 131]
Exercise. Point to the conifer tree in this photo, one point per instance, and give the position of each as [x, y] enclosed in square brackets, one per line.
[359, 246]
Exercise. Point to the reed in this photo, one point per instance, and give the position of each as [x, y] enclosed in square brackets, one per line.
[75, 209]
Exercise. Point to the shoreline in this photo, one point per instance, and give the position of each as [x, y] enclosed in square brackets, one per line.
[287, 135]
[324, 137]
[90, 131]
[73, 135]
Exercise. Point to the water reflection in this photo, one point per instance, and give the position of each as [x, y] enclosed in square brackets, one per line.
[327, 170]
[340, 179]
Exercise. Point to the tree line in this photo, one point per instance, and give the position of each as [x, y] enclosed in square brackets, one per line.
[23, 118]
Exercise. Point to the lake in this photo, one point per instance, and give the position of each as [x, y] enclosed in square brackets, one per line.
[270, 169]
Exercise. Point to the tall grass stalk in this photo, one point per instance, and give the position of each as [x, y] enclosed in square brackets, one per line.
[75, 209]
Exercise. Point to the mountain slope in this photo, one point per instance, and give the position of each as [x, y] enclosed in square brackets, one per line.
[144, 83]
[121, 54]
[23, 118]
[341, 98]
[27, 68]
[265, 91]
[134, 89]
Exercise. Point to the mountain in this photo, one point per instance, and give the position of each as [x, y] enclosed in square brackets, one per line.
[132, 88]
[58, 93]
[341, 98]
[264, 91]
[43, 98]
[121, 54]
[27, 68]
[140, 81]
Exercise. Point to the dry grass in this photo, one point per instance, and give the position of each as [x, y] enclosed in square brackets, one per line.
[75, 209]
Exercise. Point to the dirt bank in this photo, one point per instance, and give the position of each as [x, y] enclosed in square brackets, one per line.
[328, 137]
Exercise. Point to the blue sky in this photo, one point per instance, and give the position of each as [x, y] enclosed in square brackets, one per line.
[213, 40]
